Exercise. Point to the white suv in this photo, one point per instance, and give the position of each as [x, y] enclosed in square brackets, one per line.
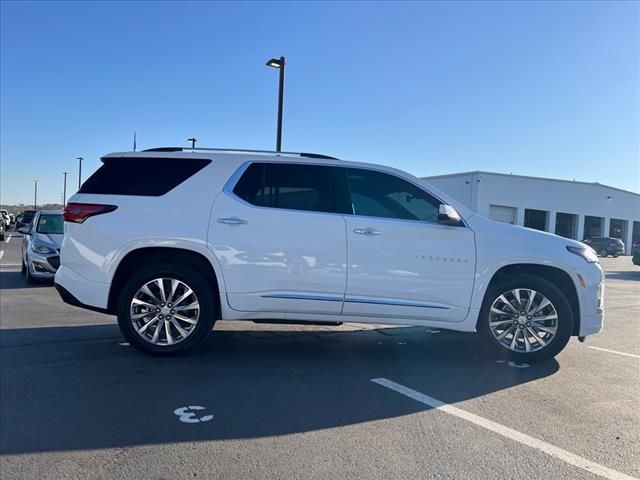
[303, 237]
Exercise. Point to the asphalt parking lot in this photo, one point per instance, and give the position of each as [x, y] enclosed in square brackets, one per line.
[292, 402]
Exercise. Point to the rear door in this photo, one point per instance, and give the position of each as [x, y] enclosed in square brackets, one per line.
[280, 239]
[402, 263]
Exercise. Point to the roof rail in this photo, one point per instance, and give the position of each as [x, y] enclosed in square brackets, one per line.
[240, 150]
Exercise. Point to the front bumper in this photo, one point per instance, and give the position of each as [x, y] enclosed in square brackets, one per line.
[43, 266]
[591, 297]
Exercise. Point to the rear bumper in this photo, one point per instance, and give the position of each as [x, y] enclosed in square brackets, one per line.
[67, 297]
[81, 292]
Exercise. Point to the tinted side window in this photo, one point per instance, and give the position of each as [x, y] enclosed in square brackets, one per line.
[291, 186]
[143, 176]
[377, 194]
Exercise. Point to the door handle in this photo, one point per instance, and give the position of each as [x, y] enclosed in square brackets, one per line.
[367, 231]
[232, 221]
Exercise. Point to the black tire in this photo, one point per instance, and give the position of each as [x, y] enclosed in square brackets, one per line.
[195, 280]
[546, 288]
[603, 253]
[615, 255]
[24, 267]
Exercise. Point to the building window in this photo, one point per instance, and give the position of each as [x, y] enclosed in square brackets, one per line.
[536, 219]
[503, 214]
[593, 226]
[618, 229]
[566, 225]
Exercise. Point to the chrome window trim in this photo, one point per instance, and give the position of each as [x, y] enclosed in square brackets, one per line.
[396, 303]
[299, 296]
[352, 299]
[233, 180]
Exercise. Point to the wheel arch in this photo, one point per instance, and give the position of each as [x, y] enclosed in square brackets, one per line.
[149, 255]
[557, 276]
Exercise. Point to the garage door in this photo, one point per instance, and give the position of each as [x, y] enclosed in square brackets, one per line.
[502, 214]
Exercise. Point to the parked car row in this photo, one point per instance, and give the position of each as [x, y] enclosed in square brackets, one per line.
[25, 218]
[7, 219]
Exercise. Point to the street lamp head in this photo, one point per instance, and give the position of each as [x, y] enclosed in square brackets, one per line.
[275, 62]
[79, 158]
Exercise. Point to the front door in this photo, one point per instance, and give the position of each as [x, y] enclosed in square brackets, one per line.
[280, 243]
[402, 263]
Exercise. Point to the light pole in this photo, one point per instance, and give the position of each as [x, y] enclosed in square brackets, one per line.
[193, 141]
[64, 190]
[35, 194]
[279, 64]
[79, 171]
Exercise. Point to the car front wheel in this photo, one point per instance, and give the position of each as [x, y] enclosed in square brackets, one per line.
[525, 318]
[603, 253]
[27, 275]
[166, 309]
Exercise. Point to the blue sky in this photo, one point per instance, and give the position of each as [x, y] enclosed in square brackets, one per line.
[545, 89]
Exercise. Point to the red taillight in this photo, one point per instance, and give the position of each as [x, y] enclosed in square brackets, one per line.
[79, 212]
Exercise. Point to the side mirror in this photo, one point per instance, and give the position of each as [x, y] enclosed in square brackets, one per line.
[447, 215]
[26, 230]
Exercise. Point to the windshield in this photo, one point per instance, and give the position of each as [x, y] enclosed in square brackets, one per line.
[51, 224]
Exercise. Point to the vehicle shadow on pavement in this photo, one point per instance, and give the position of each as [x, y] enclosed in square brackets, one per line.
[71, 388]
[15, 280]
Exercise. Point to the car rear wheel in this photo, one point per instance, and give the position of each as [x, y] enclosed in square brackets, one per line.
[166, 309]
[603, 253]
[525, 318]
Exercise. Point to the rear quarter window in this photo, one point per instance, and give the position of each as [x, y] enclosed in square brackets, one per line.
[288, 186]
[141, 176]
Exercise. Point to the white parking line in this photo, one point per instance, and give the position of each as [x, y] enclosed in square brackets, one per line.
[8, 238]
[632, 355]
[507, 432]
[1, 254]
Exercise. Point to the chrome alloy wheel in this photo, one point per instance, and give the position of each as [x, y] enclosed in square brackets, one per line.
[164, 311]
[523, 320]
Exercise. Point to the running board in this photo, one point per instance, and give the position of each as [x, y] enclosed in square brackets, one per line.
[298, 322]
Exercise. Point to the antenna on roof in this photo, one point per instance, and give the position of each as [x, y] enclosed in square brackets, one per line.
[134, 140]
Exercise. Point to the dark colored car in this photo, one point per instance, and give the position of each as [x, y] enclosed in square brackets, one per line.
[26, 218]
[636, 257]
[3, 227]
[605, 246]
